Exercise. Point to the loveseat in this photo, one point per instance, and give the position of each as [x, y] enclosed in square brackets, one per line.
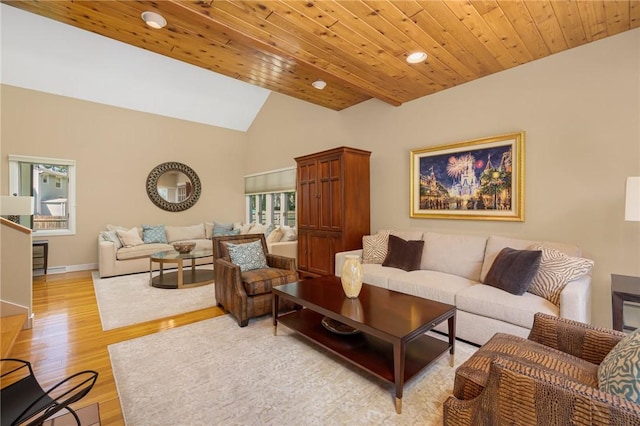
[116, 258]
[452, 269]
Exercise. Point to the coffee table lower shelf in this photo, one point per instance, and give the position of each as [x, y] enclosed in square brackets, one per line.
[363, 350]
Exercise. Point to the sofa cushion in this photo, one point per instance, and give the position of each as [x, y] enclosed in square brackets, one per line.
[111, 236]
[433, 285]
[556, 270]
[130, 238]
[144, 250]
[182, 233]
[467, 261]
[248, 256]
[261, 281]
[374, 247]
[492, 302]
[495, 244]
[618, 373]
[153, 234]
[403, 254]
[378, 275]
[203, 245]
[513, 270]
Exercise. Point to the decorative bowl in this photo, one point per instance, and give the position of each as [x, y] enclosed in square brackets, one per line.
[184, 246]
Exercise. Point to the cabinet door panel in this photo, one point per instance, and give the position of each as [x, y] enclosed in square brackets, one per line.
[319, 254]
[330, 194]
[307, 196]
[303, 251]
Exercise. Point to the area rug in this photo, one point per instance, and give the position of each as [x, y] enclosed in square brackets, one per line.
[129, 299]
[215, 373]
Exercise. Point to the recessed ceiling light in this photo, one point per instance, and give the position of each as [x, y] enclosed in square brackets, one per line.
[416, 57]
[319, 84]
[153, 19]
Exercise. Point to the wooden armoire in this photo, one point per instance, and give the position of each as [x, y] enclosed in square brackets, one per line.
[333, 205]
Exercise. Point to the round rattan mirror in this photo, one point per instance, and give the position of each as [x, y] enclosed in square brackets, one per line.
[173, 186]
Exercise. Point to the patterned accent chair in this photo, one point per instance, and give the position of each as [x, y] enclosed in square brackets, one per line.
[248, 294]
[548, 379]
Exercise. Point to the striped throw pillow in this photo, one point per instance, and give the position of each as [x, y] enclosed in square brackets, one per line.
[374, 247]
[555, 271]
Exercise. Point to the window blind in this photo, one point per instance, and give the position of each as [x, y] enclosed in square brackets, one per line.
[282, 180]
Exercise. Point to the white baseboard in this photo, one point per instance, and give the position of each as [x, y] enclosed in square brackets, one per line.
[68, 268]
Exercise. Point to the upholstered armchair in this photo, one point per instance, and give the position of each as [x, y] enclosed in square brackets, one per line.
[551, 378]
[248, 294]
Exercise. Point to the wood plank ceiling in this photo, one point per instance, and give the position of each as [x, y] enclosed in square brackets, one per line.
[359, 47]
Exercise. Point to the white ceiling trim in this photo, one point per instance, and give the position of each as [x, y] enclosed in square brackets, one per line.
[45, 55]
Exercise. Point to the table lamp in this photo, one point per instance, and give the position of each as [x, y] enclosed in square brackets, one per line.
[14, 207]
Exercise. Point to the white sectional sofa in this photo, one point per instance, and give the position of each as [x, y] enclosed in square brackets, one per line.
[452, 270]
[115, 259]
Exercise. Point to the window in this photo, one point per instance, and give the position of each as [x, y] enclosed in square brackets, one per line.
[52, 182]
[271, 197]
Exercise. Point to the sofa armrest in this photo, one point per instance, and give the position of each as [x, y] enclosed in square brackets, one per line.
[284, 248]
[106, 258]
[341, 257]
[519, 394]
[575, 300]
[575, 338]
[228, 288]
[281, 262]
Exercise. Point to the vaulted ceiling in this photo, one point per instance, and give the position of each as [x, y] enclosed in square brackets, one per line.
[358, 47]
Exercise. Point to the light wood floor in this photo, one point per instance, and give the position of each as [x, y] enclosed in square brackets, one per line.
[67, 337]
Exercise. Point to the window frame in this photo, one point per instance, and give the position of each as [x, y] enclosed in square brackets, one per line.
[266, 185]
[14, 181]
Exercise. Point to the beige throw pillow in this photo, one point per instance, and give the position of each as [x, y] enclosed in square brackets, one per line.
[258, 228]
[289, 234]
[275, 235]
[374, 247]
[130, 238]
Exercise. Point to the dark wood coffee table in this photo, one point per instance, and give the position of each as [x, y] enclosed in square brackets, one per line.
[391, 345]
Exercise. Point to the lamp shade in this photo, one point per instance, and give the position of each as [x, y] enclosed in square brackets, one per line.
[632, 203]
[16, 206]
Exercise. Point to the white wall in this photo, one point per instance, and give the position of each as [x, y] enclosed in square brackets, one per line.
[580, 110]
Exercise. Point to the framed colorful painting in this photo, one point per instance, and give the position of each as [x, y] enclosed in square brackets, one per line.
[481, 179]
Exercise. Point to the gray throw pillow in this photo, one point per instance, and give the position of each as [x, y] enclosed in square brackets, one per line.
[403, 254]
[514, 270]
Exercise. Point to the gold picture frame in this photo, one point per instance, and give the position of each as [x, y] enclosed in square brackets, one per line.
[480, 179]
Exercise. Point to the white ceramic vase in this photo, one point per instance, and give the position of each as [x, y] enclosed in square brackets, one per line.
[352, 276]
